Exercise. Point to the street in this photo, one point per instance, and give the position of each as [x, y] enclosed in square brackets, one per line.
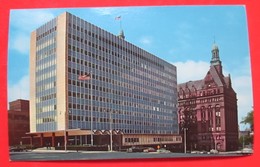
[70, 155]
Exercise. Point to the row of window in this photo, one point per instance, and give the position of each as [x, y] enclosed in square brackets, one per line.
[46, 33]
[46, 86]
[212, 138]
[46, 108]
[124, 112]
[42, 66]
[122, 95]
[126, 105]
[44, 53]
[163, 139]
[198, 101]
[209, 100]
[47, 45]
[131, 140]
[156, 139]
[117, 121]
[188, 94]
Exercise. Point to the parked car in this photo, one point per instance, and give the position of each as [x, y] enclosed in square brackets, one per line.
[135, 149]
[247, 151]
[203, 152]
[17, 149]
[149, 149]
[195, 152]
[213, 151]
[163, 150]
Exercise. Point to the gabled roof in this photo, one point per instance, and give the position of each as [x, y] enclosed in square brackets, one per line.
[218, 78]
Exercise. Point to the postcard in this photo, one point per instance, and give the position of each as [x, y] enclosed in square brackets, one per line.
[129, 83]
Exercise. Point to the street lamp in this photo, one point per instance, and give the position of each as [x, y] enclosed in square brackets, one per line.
[111, 137]
[65, 132]
[185, 140]
[65, 128]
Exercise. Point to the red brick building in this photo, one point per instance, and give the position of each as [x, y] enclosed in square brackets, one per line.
[207, 110]
[18, 122]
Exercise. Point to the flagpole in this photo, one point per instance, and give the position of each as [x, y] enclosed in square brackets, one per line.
[120, 20]
[91, 112]
[121, 24]
[83, 78]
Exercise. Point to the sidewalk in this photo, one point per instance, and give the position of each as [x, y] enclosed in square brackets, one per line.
[52, 150]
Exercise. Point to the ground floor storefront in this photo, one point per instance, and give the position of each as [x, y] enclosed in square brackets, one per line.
[85, 139]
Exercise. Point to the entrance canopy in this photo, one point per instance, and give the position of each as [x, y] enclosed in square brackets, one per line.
[70, 132]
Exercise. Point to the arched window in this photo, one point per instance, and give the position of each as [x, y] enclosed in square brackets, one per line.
[203, 114]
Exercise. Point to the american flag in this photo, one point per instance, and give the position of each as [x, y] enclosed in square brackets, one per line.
[84, 77]
[118, 18]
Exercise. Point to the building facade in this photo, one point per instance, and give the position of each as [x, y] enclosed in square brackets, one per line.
[208, 110]
[18, 122]
[86, 81]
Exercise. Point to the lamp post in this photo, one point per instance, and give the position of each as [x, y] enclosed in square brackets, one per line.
[65, 132]
[65, 128]
[65, 140]
[111, 137]
[185, 140]
[216, 143]
[91, 112]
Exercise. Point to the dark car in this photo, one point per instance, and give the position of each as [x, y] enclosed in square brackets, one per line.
[17, 149]
[135, 149]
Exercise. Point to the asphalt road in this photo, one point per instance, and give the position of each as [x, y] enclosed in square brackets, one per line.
[56, 156]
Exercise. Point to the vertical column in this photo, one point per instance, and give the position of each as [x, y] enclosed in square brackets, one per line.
[65, 140]
[86, 139]
[53, 139]
[31, 141]
[76, 140]
[80, 140]
[33, 82]
[41, 139]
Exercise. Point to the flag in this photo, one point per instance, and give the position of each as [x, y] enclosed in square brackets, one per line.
[118, 18]
[84, 77]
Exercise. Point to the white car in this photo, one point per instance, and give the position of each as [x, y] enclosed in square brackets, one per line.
[247, 151]
[213, 151]
[162, 150]
[195, 152]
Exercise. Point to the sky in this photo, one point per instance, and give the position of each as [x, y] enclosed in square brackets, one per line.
[181, 35]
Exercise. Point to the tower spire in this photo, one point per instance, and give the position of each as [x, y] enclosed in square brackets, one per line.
[215, 60]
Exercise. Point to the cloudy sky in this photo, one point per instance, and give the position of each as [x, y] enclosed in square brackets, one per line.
[181, 35]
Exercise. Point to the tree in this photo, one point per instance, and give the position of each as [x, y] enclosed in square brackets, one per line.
[249, 119]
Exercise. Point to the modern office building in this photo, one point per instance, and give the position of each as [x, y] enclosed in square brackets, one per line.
[208, 110]
[18, 122]
[86, 81]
